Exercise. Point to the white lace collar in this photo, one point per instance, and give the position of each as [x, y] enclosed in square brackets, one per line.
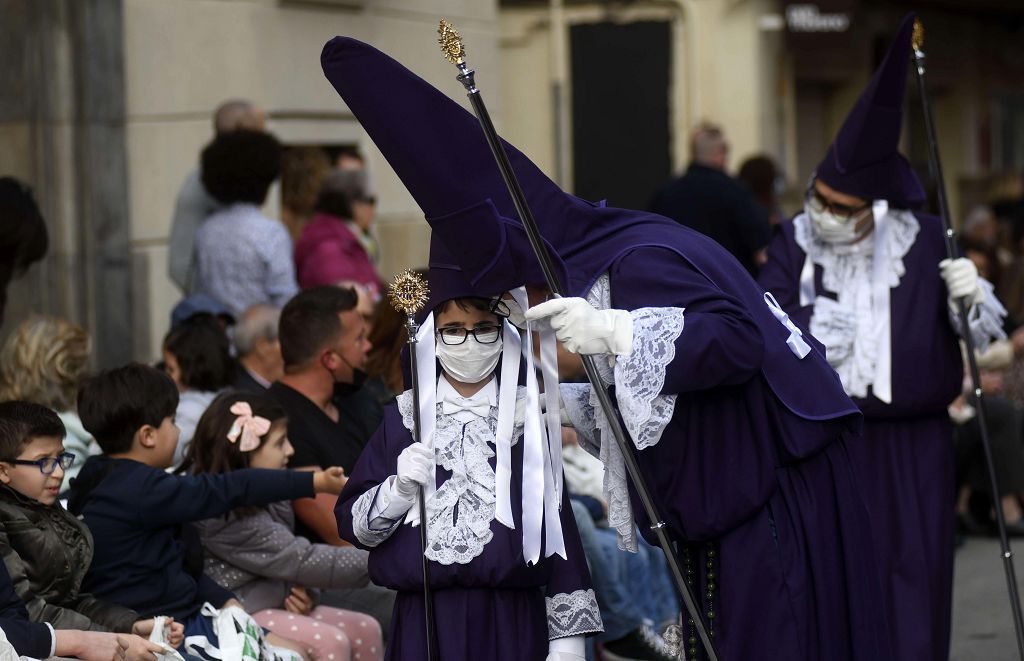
[856, 327]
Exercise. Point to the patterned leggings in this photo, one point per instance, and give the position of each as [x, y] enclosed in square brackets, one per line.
[329, 634]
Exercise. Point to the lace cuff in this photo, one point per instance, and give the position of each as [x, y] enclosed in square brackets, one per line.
[640, 375]
[835, 327]
[577, 406]
[366, 533]
[573, 614]
[985, 319]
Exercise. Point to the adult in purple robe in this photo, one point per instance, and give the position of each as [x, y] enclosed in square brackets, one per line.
[739, 422]
[862, 271]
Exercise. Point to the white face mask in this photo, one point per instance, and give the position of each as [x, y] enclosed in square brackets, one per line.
[831, 229]
[469, 362]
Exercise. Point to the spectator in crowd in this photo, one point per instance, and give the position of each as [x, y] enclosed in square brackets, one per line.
[200, 304]
[387, 337]
[323, 344]
[23, 236]
[303, 170]
[243, 257]
[194, 203]
[330, 415]
[349, 158]
[135, 509]
[40, 640]
[42, 362]
[258, 349]
[197, 357]
[338, 244]
[711, 202]
[633, 589]
[46, 550]
[764, 181]
[254, 552]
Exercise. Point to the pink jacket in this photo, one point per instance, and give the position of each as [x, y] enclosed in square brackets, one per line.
[328, 252]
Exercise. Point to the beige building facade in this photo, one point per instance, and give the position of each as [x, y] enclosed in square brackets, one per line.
[111, 103]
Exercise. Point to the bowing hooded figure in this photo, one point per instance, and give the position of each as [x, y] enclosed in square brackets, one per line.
[498, 593]
[870, 279]
[737, 419]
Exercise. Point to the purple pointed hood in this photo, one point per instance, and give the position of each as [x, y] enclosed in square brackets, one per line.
[439, 152]
[864, 159]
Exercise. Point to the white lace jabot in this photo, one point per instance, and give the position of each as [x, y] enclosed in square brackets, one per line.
[856, 327]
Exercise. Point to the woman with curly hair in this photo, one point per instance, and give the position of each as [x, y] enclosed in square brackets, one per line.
[42, 362]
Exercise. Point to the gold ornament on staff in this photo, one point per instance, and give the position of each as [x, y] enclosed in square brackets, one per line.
[451, 43]
[408, 293]
[917, 37]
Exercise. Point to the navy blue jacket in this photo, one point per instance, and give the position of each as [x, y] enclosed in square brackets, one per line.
[28, 638]
[135, 513]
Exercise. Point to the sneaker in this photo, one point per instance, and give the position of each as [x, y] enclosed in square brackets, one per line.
[641, 644]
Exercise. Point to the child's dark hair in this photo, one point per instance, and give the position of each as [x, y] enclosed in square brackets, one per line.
[240, 166]
[468, 303]
[20, 422]
[116, 403]
[210, 450]
[203, 352]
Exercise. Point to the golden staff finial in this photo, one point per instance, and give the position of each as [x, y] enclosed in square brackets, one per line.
[451, 43]
[408, 293]
[917, 38]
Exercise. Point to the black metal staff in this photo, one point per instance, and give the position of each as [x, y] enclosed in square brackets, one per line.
[408, 294]
[452, 46]
[935, 164]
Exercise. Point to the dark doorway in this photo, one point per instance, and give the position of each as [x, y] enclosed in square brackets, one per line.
[620, 87]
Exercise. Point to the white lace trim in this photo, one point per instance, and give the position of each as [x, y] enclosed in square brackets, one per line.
[639, 378]
[847, 326]
[573, 614]
[361, 520]
[460, 513]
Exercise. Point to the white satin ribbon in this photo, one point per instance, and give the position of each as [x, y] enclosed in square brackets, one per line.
[795, 341]
[508, 388]
[426, 381]
[554, 542]
[881, 387]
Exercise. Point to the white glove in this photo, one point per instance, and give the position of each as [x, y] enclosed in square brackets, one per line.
[961, 276]
[415, 467]
[570, 648]
[582, 328]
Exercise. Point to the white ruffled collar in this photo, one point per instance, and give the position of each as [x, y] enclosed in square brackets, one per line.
[857, 328]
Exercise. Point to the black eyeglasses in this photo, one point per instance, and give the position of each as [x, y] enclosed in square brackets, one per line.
[819, 204]
[453, 335]
[47, 464]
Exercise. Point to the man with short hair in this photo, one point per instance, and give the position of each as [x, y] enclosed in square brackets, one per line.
[708, 200]
[194, 204]
[258, 348]
[323, 345]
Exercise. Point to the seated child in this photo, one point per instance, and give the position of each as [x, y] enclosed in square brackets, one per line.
[490, 601]
[254, 552]
[46, 551]
[135, 509]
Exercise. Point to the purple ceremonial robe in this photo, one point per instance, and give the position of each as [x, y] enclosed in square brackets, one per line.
[773, 491]
[904, 461]
[494, 606]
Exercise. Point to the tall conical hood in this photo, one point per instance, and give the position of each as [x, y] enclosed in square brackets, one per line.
[436, 147]
[864, 159]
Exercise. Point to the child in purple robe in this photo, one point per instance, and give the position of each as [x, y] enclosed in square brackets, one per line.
[494, 597]
[871, 280]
